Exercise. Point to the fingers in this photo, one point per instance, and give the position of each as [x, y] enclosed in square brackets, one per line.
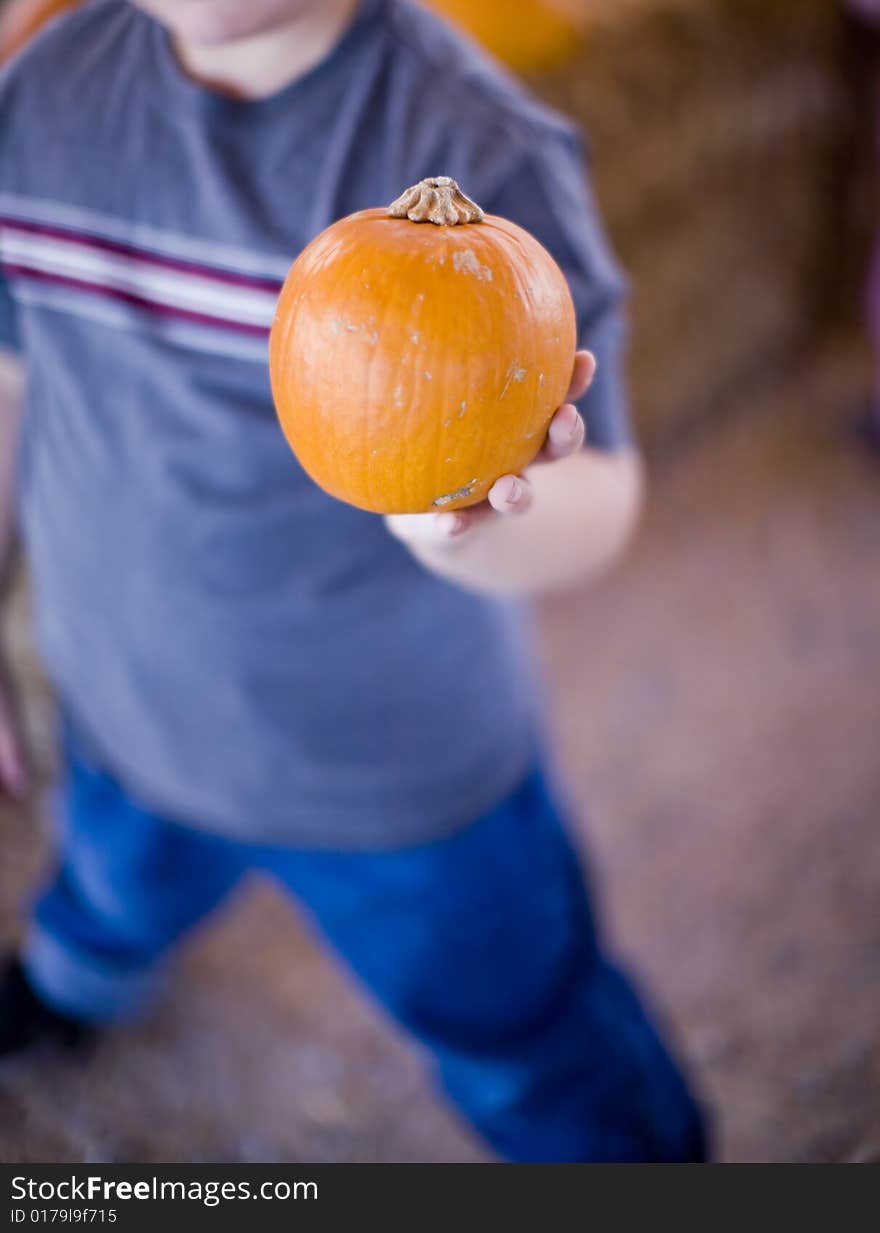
[430, 530]
[564, 436]
[511, 494]
[566, 432]
[582, 374]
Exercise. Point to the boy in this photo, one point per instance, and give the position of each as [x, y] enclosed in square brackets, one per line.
[250, 674]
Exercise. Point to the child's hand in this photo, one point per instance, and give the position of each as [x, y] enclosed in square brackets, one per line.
[510, 494]
[553, 527]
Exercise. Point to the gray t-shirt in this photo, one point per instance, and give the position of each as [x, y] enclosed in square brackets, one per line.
[246, 654]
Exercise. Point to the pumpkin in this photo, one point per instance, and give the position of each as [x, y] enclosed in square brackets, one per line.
[420, 351]
[23, 18]
[527, 35]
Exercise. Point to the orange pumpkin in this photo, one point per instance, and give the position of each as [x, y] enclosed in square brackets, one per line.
[22, 19]
[413, 364]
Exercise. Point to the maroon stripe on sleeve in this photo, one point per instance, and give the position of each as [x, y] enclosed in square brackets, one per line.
[134, 252]
[135, 301]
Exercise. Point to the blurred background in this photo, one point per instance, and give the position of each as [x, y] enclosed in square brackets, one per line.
[721, 726]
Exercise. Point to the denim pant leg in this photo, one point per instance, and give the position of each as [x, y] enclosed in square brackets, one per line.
[126, 885]
[483, 946]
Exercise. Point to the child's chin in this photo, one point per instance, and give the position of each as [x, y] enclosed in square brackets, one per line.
[211, 23]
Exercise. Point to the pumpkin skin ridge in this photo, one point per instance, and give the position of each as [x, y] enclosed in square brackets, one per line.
[475, 241]
[482, 448]
[513, 237]
[371, 477]
[442, 488]
[370, 379]
[412, 405]
[348, 261]
[411, 411]
[425, 431]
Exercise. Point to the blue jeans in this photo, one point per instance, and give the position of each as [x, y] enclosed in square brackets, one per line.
[481, 945]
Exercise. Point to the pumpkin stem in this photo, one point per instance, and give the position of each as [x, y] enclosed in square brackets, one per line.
[436, 200]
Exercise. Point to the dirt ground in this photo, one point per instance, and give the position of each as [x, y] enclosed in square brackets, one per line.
[718, 709]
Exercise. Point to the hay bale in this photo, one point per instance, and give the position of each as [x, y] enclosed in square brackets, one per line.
[719, 129]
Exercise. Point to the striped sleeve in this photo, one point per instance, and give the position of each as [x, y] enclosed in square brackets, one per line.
[187, 289]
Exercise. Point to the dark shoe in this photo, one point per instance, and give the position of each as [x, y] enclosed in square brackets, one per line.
[26, 1022]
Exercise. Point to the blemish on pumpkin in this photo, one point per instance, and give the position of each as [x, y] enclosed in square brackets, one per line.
[415, 336]
[446, 423]
[336, 326]
[428, 375]
[465, 262]
[513, 374]
[540, 378]
[462, 407]
[455, 496]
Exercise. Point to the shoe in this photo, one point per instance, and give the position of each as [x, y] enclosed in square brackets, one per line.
[26, 1021]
